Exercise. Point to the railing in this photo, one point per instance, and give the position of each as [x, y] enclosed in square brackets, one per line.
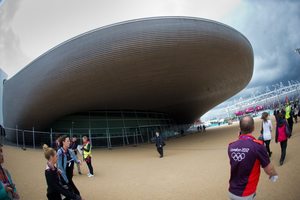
[101, 137]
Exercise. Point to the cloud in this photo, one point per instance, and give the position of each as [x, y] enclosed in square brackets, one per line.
[36, 26]
[10, 52]
[273, 29]
[1, 2]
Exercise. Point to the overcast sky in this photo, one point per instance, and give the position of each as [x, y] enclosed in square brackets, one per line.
[31, 27]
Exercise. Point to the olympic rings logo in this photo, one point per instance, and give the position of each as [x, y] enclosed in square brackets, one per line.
[238, 156]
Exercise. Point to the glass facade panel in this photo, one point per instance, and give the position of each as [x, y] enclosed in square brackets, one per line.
[115, 123]
[130, 123]
[113, 128]
[98, 123]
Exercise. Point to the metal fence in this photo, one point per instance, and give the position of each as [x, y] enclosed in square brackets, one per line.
[103, 138]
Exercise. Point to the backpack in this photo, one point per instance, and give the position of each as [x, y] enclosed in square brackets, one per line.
[288, 131]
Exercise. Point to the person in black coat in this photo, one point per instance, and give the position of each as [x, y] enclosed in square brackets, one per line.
[159, 142]
[53, 178]
[275, 114]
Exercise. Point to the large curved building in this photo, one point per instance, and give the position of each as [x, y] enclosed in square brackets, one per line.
[130, 77]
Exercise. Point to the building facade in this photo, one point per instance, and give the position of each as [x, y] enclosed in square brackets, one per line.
[134, 76]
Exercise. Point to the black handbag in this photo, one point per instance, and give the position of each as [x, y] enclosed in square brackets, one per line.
[262, 128]
[261, 137]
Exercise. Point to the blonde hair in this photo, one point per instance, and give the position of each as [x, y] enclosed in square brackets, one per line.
[48, 151]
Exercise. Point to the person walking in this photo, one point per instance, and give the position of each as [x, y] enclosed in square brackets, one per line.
[8, 189]
[289, 115]
[73, 147]
[87, 155]
[246, 155]
[53, 178]
[266, 131]
[64, 162]
[56, 144]
[296, 112]
[159, 142]
[282, 134]
[276, 111]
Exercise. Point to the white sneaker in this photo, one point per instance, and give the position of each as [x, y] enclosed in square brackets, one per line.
[90, 175]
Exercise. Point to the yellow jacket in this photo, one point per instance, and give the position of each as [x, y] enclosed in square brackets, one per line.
[87, 150]
[287, 111]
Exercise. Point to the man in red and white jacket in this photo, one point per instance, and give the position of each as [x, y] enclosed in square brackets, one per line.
[246, 156]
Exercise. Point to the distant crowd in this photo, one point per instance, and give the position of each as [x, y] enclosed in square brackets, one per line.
[201, 128]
